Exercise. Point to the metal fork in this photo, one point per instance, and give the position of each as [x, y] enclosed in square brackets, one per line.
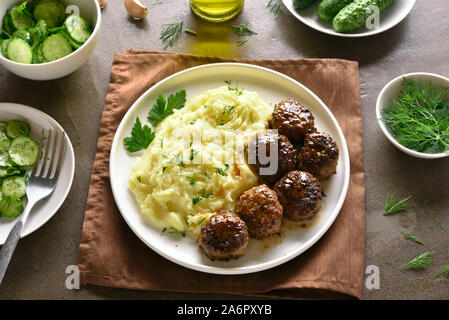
[41, 184]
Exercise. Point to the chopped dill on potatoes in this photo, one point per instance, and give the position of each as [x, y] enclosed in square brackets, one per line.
[222, 172]
[229, 109]
[173, 230]
[419, 118]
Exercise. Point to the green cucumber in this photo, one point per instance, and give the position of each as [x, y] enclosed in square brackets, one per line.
[328, 9]
[21, 19]
[56, 47]
[17, 128]
[78, 28]
[5, 47]
[10, 171]
[24, 35]
[14, 187]
[4, 155]
[303, 4]
[7, 23]
[355, 14]
[49, 12]
[19, 51]
[11, 207]
[23, 151]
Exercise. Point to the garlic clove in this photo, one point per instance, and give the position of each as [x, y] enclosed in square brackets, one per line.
[136, 9]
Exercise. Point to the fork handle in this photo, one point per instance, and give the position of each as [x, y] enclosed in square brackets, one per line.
[13, 238]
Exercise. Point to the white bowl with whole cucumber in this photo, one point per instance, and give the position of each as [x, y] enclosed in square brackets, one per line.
[47, 39]
[350, 18]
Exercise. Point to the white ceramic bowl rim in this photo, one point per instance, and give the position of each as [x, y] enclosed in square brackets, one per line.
[97, 27]
[387, 132]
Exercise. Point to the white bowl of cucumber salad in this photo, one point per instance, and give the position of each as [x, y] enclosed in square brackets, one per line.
[47, 39]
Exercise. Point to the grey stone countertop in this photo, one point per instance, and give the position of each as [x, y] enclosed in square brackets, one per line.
[419, 43]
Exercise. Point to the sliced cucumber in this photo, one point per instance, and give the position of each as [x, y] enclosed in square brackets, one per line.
[23, 151]
[11, 207]
[19, 51]
[17, 128]
[24, 35]
[3, 124]
[10, 171]
[41, 25]
[7, 23]
[4, 154]
[49, 12]
[78, 28]
[5, 47]
[56, 47]
[75, 45]
[19, 19]
[14, 187]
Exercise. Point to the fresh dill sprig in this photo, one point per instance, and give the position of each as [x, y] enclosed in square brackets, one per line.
[419, 118]
[421, 261]
[170, 32]
[437, 224]
[192, 32]
[424, 203]
[445, 271]
[242, 30]
[391, 206]
[173, 230]
[241, 42]
[412, 237]
[275, 7]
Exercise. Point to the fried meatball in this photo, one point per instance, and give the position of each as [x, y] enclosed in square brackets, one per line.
[292, 120]
[300, 195]
[319, 156]
[223, 237]
[260, 208]
[260, 146]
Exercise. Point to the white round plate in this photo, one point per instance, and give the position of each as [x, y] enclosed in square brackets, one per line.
[272, 87]
[388, 19]
[44, 210]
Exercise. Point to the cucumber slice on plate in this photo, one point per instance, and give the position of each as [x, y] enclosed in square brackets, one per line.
[56, 47]
[14, 187]
[23, 151]
[19, 51]
[20, 18]
[11, 207]
[78, 28]
[49, 12]
[17, 128]
[4, 153]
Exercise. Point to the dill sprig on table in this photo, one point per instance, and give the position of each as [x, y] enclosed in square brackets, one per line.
[242, 30]
[394, 206]
[445, 271]
[421, 261]
[412, 237]
[275, 7]
[419, 118]
[170, 32]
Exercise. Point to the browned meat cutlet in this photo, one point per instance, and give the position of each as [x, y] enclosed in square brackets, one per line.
[260, 208]
[319, 156]
[224, 237]
[292, 120]
[261, 146]
[300, 195]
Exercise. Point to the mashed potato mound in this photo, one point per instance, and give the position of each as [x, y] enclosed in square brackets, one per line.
[195, 166]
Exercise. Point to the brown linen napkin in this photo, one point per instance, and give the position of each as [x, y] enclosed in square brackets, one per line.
[111, 255]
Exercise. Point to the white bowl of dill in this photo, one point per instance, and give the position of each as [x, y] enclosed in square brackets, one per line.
[413, 113]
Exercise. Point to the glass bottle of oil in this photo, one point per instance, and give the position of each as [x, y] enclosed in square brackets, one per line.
[216, 10]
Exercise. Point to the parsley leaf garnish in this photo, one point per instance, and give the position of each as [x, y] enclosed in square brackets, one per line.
[140, 138]
[163, 108]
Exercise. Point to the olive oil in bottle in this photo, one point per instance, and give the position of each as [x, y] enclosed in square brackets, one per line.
[216, 10]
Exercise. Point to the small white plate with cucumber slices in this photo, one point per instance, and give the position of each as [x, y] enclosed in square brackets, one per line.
[22, 122]
[396, 11]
